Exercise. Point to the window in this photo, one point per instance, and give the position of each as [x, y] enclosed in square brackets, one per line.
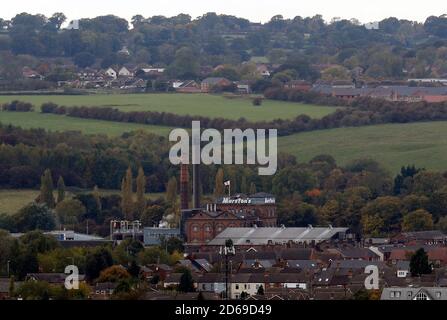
[237, 286]
[203, 286]
[438, 294]
[421, 296]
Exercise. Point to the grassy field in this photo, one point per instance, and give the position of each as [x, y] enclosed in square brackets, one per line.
[393, 145]
[52, 122]
[212, 106]
[13, 200]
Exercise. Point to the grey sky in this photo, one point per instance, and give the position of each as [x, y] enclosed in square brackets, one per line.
[255, 10]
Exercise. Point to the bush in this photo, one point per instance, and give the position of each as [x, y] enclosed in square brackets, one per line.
[17, 106]
[257, 101]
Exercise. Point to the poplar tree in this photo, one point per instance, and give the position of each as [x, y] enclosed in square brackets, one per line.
[46, 189]
[171, 191]
[60, 189]
[252, 188]
[97, 197]
[127, 195]
[219, 185]
[141, 190]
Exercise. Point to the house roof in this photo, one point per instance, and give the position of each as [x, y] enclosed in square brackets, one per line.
[425, 235]
[204, 264]
[403, 265]
[175, 277]
[354, 253]
[409, 293]
[302, 264]
[50, 277]
[355, 264]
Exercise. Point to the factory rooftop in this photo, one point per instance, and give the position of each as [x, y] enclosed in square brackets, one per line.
[264, 236]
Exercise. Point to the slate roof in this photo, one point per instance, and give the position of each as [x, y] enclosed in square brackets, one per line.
[408, 293]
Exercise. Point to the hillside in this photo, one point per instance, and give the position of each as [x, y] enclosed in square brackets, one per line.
[393, 145]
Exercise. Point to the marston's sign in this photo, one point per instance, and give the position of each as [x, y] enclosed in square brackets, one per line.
[228, 200]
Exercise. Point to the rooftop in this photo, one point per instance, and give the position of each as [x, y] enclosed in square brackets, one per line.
[262, 236]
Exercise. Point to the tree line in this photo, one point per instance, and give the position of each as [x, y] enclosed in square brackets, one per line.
[360, 111]
[184, 45]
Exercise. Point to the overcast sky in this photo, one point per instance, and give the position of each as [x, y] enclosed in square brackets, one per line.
[254, 10]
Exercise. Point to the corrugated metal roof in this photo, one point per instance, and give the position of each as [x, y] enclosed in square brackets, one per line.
[259, 236]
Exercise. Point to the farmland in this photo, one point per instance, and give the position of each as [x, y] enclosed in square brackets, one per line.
[393, 145]
[51, 122]
[212, 106]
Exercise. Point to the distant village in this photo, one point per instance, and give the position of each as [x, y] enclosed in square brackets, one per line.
[138, 79]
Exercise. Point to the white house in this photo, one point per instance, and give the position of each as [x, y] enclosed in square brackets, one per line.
[245, 282]
[403, 268]
[110, 72]
[124, 72]
[211, 282]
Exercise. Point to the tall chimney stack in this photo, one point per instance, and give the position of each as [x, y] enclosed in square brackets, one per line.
[184, 181]
[196, 186]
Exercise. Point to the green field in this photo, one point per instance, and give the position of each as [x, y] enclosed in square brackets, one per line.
[206, 105]
[52, 122]
[393, 145]
[13, 200]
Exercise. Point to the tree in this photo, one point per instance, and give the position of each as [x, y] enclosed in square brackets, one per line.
[11, 286]
[261, 290]
[185, 65]
[442, 224]
[60, 189]
[34, 290]
[127, 195]
[252, 188]
[97, 197]
[295, 213]
[152, 215]
[34, 217]
[219, 184]
[84, 59]
[141, 190]
[134, 269]
[56, 20]
[6, 243]
[171, 191]
[96, 262]
[46, 189]
[419, 263]
[114, 274]
[69, 211]
[186, 282]
[418, 220]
